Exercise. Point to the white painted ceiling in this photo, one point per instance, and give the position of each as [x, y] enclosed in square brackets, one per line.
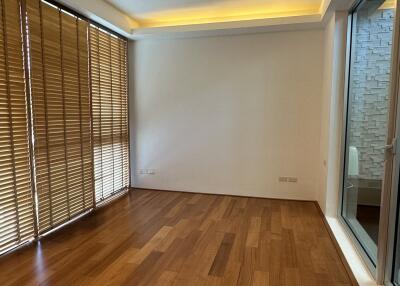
[153, 13]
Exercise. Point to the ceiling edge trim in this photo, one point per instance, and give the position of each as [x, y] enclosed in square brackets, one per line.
[103, 13]
[230, 28]
[116, 20]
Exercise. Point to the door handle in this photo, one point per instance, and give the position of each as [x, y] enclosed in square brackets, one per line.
[349, 185]
[391, 147]
[388, 147]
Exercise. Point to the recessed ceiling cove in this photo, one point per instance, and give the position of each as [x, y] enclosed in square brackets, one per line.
[162, 13]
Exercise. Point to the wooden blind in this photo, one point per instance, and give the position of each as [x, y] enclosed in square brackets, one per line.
[16, 204]
[61, 113]
[108, 63]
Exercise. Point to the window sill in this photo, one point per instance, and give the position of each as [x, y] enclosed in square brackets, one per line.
[359, 269]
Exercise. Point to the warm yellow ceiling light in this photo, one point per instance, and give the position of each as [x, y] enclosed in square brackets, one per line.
[163, 13]
[388, 4]
[194, 16]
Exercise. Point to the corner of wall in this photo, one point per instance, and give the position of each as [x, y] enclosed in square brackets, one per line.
[332, 112]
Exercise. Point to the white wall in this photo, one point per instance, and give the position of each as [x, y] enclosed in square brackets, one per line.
[332, 112]
[325, 110]
[228, 114]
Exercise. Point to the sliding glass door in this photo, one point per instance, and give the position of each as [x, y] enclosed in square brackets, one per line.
[371, 28]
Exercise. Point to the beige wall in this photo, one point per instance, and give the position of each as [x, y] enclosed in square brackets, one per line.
[228, 114]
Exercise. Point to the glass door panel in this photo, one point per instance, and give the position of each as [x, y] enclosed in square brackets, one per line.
[367, 119]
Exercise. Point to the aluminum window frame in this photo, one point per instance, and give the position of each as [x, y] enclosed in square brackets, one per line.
[379, 270]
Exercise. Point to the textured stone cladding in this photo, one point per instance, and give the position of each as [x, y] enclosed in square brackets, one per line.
[369, 89]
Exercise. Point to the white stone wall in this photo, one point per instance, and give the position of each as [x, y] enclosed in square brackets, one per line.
[369, 89]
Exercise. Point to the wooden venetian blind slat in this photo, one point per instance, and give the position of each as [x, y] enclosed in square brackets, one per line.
[16, 203]
[109, 109]
[61, 114]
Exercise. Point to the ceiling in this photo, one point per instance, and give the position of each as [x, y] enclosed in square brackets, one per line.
[164, 13]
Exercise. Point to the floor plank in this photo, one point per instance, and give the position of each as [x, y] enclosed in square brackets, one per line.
[173, 238]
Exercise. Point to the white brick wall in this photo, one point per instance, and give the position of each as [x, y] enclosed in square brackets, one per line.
[369, 89]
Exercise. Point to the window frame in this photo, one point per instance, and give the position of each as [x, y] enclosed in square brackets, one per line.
[343, 157]
[380, 270]
[393, 230]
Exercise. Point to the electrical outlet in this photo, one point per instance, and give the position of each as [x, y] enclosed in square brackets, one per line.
[282, 179]
[146, 171]
[287, 179]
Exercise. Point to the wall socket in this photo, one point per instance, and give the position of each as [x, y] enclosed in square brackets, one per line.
[146, 171]
[287, 179]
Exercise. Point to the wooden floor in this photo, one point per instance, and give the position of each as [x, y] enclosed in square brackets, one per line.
[170, 238]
